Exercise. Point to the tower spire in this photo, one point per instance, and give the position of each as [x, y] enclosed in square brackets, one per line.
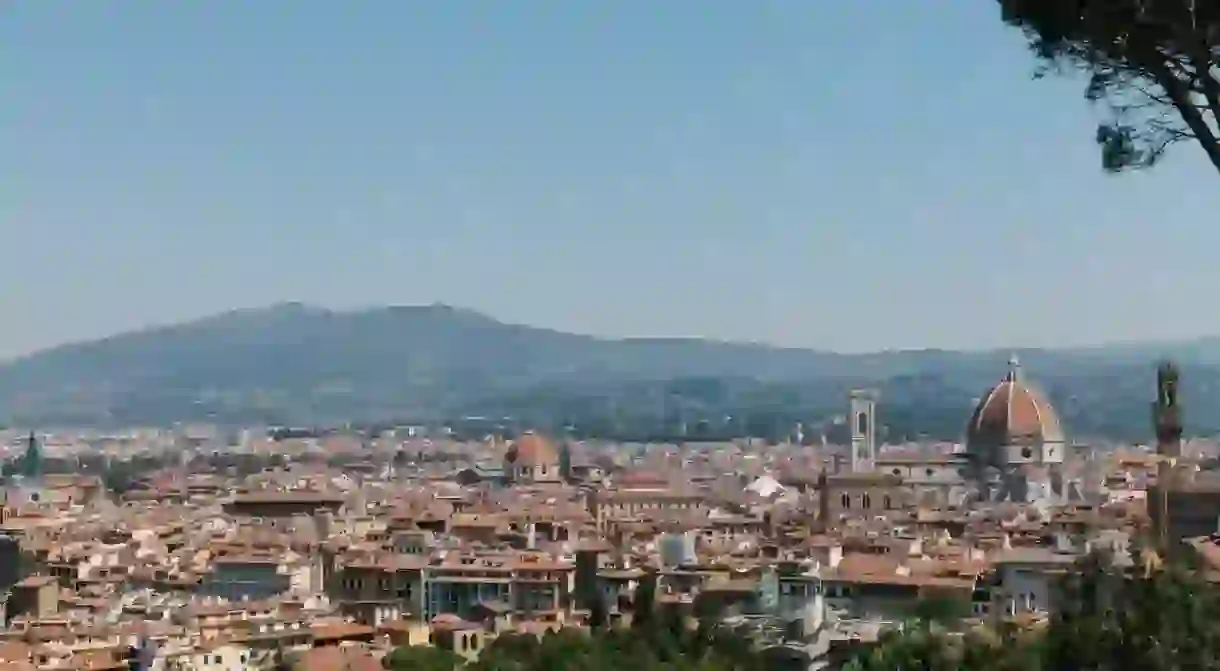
[1014, 368]
[1167, 424]
[31, 466]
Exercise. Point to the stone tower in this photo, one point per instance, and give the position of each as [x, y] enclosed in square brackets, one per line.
[1167, 424]
[1166, 417]
[31, 462]
[862, 418]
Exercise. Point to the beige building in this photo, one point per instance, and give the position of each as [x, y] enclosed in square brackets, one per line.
[855, 494]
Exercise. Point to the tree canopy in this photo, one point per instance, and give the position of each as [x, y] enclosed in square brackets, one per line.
[1107, 619]
[1153, 64]
[657, 640]
[421, 658]
[672, 648]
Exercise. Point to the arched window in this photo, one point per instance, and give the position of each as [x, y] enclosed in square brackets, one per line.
[846, 500]
[889, 503]
[868, 502]
[862, 424]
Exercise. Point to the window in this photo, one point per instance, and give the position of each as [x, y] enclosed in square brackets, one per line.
[929, 472]
[846, 500]
[898, 471]
[867, 503]
[862, 424]
[1026, 453]
[889, 503]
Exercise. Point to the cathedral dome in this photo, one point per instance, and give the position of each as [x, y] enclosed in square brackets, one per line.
[532, 450]
[1014, 423]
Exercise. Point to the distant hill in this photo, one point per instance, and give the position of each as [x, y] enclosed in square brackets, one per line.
[296, 364]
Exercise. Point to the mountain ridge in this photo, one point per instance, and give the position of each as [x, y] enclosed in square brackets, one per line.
[1167, 344]
[297, 363]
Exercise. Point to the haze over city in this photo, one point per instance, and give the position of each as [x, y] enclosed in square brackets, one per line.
[330, 329]
[847, 176]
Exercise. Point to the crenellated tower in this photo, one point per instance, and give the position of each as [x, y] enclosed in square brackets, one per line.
[1167, 422]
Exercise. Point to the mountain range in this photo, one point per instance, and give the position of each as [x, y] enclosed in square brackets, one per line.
[296, 364]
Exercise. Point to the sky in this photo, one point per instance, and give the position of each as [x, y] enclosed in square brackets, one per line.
[845, 176]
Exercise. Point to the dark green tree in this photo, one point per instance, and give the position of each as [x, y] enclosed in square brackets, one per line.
[565, 649]
[644, 602]
[1153, 64]
[565, 461]
[1152, 619]
[283, 660]
[421, 658]
[918, 647]
[599, 616]
[734, 649]
[119, 477]
[666, 644]
[508, 652]
[940, 609]
[1107, 618]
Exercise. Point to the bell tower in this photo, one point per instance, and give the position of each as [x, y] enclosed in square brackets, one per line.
[862, 417]
[1167, 414]
[31, 462]
[1167, 424]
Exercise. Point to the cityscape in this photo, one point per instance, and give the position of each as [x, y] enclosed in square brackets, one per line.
[203, 548]
[456, 336]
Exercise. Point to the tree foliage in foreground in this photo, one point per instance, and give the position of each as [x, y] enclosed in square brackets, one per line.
[1107, 619]
[676, 648]
[421, 658]
[1154, 64]
[656, 641]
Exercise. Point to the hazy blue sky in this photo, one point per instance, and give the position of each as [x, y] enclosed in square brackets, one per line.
[850, 175]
